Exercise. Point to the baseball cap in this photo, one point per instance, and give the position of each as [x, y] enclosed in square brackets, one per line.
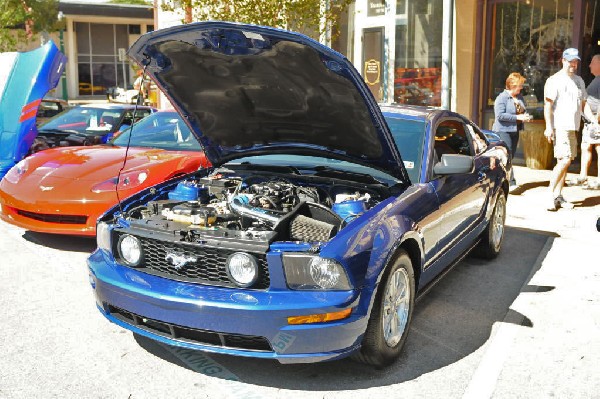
[571, 54]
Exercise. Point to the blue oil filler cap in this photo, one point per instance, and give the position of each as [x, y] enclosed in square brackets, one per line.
[189, 191]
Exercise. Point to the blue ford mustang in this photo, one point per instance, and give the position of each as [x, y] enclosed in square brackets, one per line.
[322, 217]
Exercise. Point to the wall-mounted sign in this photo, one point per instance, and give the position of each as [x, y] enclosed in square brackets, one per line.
[375, 8]
[372, 72]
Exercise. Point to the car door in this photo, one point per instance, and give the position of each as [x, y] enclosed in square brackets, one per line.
[462, 196]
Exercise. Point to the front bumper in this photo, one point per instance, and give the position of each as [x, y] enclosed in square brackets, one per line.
[251, 323]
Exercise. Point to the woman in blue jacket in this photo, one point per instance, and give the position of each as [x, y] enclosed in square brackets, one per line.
[509, 115]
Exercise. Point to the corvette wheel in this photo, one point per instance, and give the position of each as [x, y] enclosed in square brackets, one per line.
[491, 239]
[391, 315]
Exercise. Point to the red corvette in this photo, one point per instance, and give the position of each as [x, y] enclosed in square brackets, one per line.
[63, 190]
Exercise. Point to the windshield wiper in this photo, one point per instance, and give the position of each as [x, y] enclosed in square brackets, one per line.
[265, 168]
[59, 131]
[326, 171]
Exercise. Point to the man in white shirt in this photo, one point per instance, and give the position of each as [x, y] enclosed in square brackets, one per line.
[564, 101]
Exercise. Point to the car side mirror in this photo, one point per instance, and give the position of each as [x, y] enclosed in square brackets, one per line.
[453, 164]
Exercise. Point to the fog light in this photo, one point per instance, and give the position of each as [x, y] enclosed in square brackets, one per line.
[242, 269]
[130, 250]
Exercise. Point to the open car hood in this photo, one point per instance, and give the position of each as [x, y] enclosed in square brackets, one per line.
[250, 90]
[24, 79]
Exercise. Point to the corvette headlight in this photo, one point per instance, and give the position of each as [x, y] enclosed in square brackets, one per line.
[128, 180]
[311, 272]
[130, 249]
[14, 174]
[242, 269]
[103, 236]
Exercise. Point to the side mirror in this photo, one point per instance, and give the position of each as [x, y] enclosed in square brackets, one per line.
[453, 164]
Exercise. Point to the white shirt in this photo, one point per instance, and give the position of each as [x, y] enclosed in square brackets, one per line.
[567, 94]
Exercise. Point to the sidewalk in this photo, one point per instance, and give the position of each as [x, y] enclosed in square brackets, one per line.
[526, 207]
[551, 348]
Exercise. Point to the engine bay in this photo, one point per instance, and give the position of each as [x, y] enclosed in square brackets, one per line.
[257, 208]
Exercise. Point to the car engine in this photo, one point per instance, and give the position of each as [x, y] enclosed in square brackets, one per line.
[259, 209]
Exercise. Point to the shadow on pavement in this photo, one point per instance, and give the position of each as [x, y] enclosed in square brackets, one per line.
[529, 186]
[62, 242]
[450, 323]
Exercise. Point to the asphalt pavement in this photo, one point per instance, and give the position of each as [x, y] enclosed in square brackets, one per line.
[524, 325]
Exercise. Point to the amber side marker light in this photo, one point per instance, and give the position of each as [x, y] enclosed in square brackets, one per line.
[319, 318]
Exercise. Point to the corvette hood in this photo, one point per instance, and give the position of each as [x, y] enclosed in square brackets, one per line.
[251, 90]
[24, 79]
[94, 164]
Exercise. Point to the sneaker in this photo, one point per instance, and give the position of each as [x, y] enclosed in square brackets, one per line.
[592, 185]
[553, 206]
[563, 203]
[578, 181]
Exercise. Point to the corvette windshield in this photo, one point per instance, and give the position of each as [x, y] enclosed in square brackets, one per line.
[163, 130]
[84, 120]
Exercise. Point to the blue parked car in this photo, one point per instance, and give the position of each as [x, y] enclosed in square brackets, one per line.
[25, 77]
[322, 218]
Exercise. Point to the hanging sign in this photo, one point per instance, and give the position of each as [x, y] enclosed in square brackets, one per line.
[372, 72]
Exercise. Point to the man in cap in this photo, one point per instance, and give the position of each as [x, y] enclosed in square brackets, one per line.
[564, 101]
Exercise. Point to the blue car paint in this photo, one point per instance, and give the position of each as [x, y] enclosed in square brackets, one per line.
[412, 219]
[32, 75]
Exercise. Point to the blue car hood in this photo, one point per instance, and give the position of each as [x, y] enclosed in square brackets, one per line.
[251, 90]
[24, 79]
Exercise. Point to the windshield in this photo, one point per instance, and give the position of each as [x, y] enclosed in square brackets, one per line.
[409, 135]
[90, 120]
[316, 166]
[85, 120]
[163, 130]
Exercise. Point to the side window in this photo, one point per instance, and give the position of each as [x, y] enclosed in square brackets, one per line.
[451, 138]
[479, 142]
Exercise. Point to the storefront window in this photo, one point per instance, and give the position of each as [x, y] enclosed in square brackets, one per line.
[529, 37]
[418, 55]
[98, 57]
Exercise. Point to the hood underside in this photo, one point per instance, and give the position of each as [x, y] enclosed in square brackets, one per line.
[248, 90]
[24, 79]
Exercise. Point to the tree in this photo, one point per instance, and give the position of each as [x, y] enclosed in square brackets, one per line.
[311, 17]
[21, 19]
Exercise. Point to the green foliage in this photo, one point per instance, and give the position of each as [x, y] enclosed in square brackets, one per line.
[15, 15]
[140, 2]
[311, 17]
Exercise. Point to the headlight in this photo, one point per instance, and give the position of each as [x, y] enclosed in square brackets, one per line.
[242, 268]
[103, 236]
[311, 272]
[14, 174]
[128, 180]
[130, 249]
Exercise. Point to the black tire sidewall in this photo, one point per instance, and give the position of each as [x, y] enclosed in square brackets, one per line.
[375, 349]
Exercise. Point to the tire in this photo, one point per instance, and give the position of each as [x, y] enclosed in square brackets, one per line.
[493, 235]
[391, 315]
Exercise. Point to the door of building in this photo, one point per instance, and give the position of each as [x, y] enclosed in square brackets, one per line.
[373, 65]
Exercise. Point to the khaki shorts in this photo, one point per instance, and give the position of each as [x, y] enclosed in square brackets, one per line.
[586, 140]
[565, 144]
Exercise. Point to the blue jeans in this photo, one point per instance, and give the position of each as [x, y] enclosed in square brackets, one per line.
[511, 139]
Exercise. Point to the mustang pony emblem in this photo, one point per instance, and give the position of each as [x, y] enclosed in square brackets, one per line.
[179, 260]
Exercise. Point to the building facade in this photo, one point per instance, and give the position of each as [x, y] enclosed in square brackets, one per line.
[453, 54]
[95, 38]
